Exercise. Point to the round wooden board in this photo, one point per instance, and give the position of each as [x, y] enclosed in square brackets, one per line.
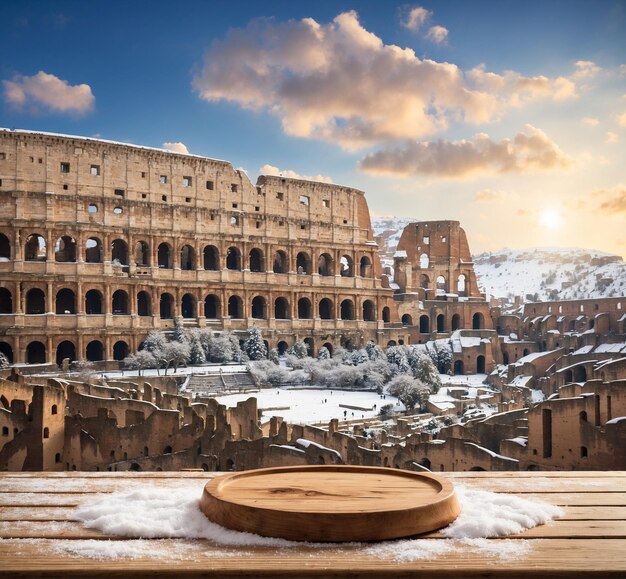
[331, 503]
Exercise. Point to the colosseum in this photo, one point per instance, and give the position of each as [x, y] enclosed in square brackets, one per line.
[101, 242]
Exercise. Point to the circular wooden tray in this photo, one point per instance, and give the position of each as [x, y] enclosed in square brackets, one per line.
[330, 503]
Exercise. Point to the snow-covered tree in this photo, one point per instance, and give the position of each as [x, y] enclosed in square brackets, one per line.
[254, 346]
[196, 351]
[299, 349]
[273, 356]
[359, 357]
[397, 359]
[374, 351]
[140, 361]
[4, 361]
[323, 353]
[179, 333]
[411, 392]
[175, 354]
[424, 369]
[155, 342]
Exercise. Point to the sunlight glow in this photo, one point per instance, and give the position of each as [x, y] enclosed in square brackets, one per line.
[550, 218]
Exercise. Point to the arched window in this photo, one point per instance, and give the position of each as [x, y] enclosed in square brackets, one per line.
[441, 323]
[480, 365]
[478, 321]
[188, 306]
[256, 260]
[119, 303]
[65, 302]
[94, 351]
[258, 308]
[144, 304]
[310, 346]
[211, 307]
[346, 266]
[93, 250]
[407, 320]
[304, 309]
[424, 324]
[65, 249]
[211, 258]
[369, 314]
[386, 314]
[119, 251]
[460, 285]
[54, 409]
[46, 432]
[441, 285]
[424, 261]
[164, 256]
[5, 248]
[282, 347]
[36, 353]
[35, 301]
[235, 307]
[6, 301]
[120, 350]
[6, 349]
[281, 263]
[93, 302]
[456, 322]
[65, 349]
[326, 309]
[365, 267]
[166, 306]
[347, 309]
[325, 265]
[281, 309]
[458, 367]
[303, 263]
[233, 259]
[187, 258]
[35, 249]
[142, 254]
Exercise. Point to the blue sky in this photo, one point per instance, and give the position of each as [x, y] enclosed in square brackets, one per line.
[508, 116]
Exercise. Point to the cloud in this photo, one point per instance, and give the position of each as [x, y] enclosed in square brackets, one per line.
[590, 122]
[341, 83]
[416, 18]
[621, 120]
[585, 69]
[177, 147]
[527, 151]
[611, 137]
[44, 91]
[612, 200]
[271, 170]
[437, 34]
[487, 195]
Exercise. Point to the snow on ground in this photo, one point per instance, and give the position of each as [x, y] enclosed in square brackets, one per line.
[474, 380]
[206, 369]
[314, 405]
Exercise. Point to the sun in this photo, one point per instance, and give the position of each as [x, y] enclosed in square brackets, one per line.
[550, 218]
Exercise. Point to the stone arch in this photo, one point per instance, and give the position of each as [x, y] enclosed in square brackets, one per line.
[187, 258]
[36, 353]
[5, 248]
[480, 364]
[142, 254]
[93, 302]
[365, 266]
[256, 262]
[310, 346]
[35, 301]
[579, 374]
[65, 302]
[304, 309]
[66, 349]
[329, 347]
[93, 250]
[6, 301]
[424, 261]
[346, 266]
[478, 321]
[369, 311]
[119, 303]
[391, 343]
[442, 285]
[120, 350]
[35, 248]
[407, 320]
[458, 367]
[259, 308]
[525, 352]
[346, 309]
[144, 304]
[477, 469]
[94, 352]
[424, 324]
[211, 307]
[164, 256]
[325, 265]
[386, 314]
[424, 281]
[441, 323]
[281, 262]
[7, 350]
[211, 258]
[582, 416]
[303, 263]
[188, 308]
[166, 306]
[65, 249]
[119, 251]
[456, 322]
[326, 308]
[281, 308]
[460, 285]
[233, 259]
[235, 307]
[282, 347]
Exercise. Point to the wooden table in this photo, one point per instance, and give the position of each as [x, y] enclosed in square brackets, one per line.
[590, 540]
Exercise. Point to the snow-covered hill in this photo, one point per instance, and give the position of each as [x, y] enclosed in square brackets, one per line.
[543, 273]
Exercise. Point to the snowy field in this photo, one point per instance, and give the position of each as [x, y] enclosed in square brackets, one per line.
[309, 406]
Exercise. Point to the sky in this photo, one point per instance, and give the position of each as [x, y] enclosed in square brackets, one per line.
[508, 116]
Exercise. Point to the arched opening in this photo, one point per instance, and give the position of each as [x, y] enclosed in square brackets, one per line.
[256, 260]
[369, 314]
[233, 259]
[187, 258]
[6, 301]
[505, 358]
[65, 302]
[35, 353]
[164, 256]
[188, 306]
[303, 263]
[135, 467]
[119, 303]
[211, 258]
[142, 254]
[6, 349]
[407, 320]
[346, 266]
[119, 251]
[441, 285]
[525, 352]
[120, 350]
[424, 261]
[584, 453]
[424, 281]
[65, 249]
[477, 469]
[329, 347]
[144, 304]
[325, 265]
[582, 416]
[167, 450]
[93, 250]
[347, 310]
[258, 308]
[211, 307]
[5, 248]
[424, 324]
[580, 374]
[478, 321]
[166, 306]
[93, 302]
[458, 367]
[304, 309]
[480, 365]
[282, 347]
[386, 314]
[425, 463]
[281, 309]
[35, 301]
[46, 432]
[310, 346]
[54, 409]
[65, 349]
[456, 322]
[365, 267]
[326, 309]
[94, 351]
[230, 464]
[281, 264]
[391, 343]
[35, 248]
[235, 307]
[460, 285]
[441, 323]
